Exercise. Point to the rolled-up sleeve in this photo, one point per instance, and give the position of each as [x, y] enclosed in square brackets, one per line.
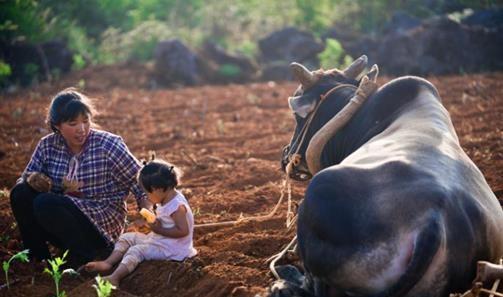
[125, 167]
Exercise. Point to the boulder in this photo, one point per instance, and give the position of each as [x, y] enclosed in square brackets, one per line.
[244, 68]
[58, 55]
[36, 62]
[175, 63]
[486, 18]
[401, 22]
[440, 46]
[276, 71]
[290, 45]
[285, 46]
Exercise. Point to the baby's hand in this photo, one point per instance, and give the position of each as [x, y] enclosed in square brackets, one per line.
[156, 226]
[148, 215]
[40, 182]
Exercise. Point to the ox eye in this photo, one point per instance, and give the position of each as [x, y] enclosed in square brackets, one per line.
[301, 106]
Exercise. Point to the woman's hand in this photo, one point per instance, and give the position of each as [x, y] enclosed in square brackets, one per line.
[40, 182]
[146, 204]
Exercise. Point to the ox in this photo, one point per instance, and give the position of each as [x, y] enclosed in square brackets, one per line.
[394, 207]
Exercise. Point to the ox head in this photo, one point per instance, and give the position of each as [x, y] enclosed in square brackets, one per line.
[301, 158]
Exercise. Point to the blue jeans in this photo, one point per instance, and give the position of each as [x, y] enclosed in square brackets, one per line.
[53, 218]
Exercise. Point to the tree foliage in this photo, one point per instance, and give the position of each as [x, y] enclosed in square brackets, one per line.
[90, 26]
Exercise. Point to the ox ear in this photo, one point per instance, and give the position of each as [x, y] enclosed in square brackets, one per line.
[353, 70]
[301, 107]
[305, 77]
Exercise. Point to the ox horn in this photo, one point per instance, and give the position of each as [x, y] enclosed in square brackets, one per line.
[366, 88]
[353, 70]
[303, 75]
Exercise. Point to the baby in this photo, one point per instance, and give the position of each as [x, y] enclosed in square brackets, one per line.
[171, 235]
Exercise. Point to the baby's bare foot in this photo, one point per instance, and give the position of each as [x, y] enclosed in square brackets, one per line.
[98, 266]
[112, 280]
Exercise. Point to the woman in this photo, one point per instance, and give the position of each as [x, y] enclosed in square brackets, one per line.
[72, 193]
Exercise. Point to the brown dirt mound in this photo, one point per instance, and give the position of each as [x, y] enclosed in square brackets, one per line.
[228, 140]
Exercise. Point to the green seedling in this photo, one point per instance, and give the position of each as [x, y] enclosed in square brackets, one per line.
[21, 256]
[103, 287]
[57, 274]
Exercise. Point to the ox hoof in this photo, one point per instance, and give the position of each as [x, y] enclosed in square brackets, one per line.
[283, 288]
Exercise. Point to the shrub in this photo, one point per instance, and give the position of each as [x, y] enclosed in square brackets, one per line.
[229, 70]
[138, 44]
[78, 62]
[31, 70]
[5, 72]
[333, 55]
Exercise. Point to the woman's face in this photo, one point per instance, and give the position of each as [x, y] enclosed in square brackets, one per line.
[75, 132]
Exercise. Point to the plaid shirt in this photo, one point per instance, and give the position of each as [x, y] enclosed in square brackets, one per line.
[106, 172]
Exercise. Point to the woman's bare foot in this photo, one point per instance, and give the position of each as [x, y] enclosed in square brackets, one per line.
[97, 266]
[112, 280]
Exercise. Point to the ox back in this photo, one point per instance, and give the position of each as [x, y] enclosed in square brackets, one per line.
[399, 209]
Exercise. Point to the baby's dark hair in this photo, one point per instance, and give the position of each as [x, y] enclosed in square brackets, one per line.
[159, 174]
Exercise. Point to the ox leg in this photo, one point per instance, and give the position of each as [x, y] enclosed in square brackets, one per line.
[283, 288]
[291, 283]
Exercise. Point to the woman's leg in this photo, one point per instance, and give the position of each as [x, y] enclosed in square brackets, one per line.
[34, 236]
[64, 220]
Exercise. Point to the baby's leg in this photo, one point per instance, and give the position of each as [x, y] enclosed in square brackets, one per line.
[125, 241]
[134, 256]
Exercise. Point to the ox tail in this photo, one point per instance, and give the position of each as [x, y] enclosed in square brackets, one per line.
[427, 244]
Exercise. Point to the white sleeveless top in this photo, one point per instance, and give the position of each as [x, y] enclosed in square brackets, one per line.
[175, 248]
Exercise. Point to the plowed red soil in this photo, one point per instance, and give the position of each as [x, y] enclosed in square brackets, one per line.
[227, 139]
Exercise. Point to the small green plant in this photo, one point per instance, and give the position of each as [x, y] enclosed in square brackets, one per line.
[57, 274]
[4, 193]
[78, 62]
[229, 70]
[220, 126]
[5, 71]
[81, 84]
[197, 211]
[103, 287]
[21, 256]
[248, 48]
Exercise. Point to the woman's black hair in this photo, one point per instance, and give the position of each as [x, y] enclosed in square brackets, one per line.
[67, 105]
[159, 174]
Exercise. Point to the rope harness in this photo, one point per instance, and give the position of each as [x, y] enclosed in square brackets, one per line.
[294, 161]
[295, 158]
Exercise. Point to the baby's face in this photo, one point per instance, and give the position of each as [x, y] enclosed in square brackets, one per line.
[156, 196]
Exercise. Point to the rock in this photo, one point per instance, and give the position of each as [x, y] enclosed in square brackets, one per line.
[35, 62]
[175, 63]
[276, 72]
[58, 56]
[486, 18]
[401, 22]
[440, 46]
[245, 69]
[290, 45]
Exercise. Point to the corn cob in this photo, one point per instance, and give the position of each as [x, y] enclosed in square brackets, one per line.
[148, 215]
